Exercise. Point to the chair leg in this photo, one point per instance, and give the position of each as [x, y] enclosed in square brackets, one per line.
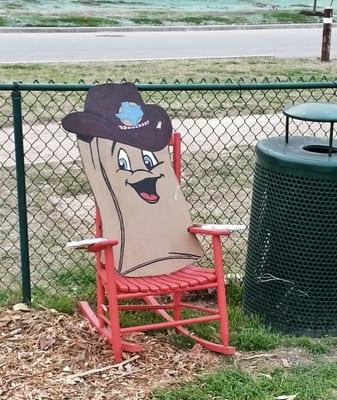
[104, 331]
[116, 339]
[100, 297]
[221, 291]
[176, 306]
[222, 308]
[111, 289]
[112, 333]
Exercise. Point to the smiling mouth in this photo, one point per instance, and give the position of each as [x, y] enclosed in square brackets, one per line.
[146, 189]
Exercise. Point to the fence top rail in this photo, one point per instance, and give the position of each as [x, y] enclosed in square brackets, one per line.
[15, 86]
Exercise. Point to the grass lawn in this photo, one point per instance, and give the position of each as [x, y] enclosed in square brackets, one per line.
[90, 13]
[155, 19]
[204, 70]
[311, 382]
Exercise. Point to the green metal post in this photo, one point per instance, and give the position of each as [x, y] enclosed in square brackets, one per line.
[21, 188]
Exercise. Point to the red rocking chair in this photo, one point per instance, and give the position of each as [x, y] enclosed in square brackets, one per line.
[113, 287]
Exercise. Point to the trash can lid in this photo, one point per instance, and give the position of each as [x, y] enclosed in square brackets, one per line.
[318, 112]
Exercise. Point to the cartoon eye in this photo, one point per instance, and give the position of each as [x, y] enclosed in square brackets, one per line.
[149, 159]
[123, 161]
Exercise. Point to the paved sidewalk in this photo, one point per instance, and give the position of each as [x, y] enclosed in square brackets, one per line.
[154, 28]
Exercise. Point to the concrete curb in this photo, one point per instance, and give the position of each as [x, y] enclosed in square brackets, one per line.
[159, 28]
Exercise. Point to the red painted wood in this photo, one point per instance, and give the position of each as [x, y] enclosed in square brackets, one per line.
[177, 155]
[221, 290]
[98, 223]
[169, 324]
[184, 278]
[149, 284]
[199, 308]
[111, 289]
[102, 245]
[173, 283]
[125, 296]
[145, 307]
[208, 231]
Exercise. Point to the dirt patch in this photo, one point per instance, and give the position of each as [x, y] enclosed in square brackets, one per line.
[49, 355]
[263, 362]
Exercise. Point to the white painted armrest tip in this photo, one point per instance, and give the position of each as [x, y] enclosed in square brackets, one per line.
[221, 226]
[83, 244]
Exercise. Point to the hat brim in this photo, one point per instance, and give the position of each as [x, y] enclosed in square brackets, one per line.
[152, 133]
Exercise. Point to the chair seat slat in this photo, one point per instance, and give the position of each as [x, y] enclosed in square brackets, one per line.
[201, 274]
[149, 283]
[174, 283]
[187, 277]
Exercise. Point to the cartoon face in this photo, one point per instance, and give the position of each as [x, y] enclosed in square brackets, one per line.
[141, 171]
[141, 205]
[138, 175]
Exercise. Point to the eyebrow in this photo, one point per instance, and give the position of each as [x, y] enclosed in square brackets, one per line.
[113, 148]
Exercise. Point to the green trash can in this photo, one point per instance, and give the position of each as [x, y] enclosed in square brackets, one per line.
[291, 269]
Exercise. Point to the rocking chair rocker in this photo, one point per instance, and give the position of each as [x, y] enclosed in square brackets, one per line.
[115, 284]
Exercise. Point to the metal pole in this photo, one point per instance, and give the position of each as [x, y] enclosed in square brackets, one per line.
[43, 87]
[21, 189]
[287, 129]
[331, 139]
[327, 28]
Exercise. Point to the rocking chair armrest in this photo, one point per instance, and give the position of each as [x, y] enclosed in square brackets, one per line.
[214, 229]
[101, 245]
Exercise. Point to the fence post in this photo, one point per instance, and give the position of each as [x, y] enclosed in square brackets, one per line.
[21, 189]
[327, 28]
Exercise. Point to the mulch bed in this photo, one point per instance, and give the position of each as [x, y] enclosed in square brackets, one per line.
[48, 355]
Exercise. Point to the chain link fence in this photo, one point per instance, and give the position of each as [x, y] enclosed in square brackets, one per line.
[46, 200]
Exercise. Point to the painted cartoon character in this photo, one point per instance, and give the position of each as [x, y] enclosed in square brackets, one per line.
[123, 145]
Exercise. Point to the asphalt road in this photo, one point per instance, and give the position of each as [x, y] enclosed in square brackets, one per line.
[100, 46]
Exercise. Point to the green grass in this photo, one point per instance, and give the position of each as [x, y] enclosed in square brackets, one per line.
[211, 20]
[69, 286]
[64, 21]
[10, 296]
[287, 17]
[204, 70]
[314, 382]
[152, 17]
[314, 346]
[146, 21]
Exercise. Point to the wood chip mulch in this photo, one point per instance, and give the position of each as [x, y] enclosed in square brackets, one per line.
[49, 355]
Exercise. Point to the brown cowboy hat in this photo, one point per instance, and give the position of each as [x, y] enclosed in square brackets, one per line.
[117, 112]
